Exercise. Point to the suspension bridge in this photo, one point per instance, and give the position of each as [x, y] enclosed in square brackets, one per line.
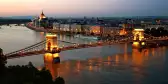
[50, 45]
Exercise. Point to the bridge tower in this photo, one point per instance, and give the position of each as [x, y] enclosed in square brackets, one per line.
[51, 41]
[138, 36]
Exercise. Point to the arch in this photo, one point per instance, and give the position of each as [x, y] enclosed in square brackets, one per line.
[49, 45]
[138, 34]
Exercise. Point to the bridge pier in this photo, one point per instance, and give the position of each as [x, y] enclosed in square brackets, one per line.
[52, 63]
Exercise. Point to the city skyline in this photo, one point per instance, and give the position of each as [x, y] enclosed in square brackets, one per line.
[79, 8]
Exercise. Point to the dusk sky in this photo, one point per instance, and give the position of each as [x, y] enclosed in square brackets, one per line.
[68, 8]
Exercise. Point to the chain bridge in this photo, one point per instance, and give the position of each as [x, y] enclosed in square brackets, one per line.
[50, 45]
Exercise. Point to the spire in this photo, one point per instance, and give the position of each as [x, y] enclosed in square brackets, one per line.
[42, 13]
[42, 16]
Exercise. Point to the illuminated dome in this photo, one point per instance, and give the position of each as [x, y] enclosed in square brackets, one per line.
[42, 16]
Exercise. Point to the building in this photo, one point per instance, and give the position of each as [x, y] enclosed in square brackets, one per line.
[78, 28]
[95, 29]
[110, 30]
[62, 27]
[36, 22]
[66, 27]
[86, 29]
[41, 21]
[128, 26]
[154, 26]
[73, 28]
[56, 26]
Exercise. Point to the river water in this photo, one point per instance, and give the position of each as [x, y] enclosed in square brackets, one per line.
[115, 64]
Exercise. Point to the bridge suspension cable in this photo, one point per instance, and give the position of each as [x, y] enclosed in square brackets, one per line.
[27, 48]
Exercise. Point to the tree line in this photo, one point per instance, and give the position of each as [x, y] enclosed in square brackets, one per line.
[26, 74]
[157, 32]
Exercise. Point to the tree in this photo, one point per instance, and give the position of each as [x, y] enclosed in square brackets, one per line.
[92, 33]
[154, 32]
[43, 77]
[59, 80]
[160, 31]
[3, 59]
[147, 31]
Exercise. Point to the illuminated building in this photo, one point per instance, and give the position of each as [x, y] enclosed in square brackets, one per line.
[73, 28]
[66, 27]
[56, 26]
[76, 28]
[42, 16]
[41, 21]
[86, 29]
[62, 27]
[95, 29]
[123, 31]
[110, 30]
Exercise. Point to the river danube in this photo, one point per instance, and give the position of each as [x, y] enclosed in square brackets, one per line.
[115, 64]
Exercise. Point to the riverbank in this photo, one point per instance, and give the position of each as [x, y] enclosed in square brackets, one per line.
[41, 29]
[68, 33]
[149, 45]
[48, 30]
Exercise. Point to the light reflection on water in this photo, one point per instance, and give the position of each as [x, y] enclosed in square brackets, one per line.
[115, 64]
[135, 68]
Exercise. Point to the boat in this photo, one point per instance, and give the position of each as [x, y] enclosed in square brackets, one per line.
[86, 37]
